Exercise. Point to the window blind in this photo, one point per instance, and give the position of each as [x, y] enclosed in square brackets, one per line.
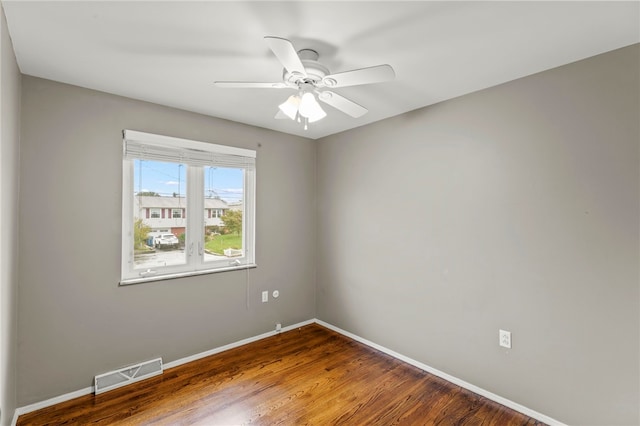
[146, 146]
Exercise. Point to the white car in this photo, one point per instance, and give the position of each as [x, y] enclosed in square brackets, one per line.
[166, 241]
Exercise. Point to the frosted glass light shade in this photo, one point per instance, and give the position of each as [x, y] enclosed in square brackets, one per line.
[290, 107]
[310, 108]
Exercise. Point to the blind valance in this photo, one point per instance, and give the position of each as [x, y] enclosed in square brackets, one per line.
[147, 146]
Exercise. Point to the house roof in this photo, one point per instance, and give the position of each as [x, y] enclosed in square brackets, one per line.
[176, 202]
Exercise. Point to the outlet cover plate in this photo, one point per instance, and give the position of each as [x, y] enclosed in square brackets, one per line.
[505, 339]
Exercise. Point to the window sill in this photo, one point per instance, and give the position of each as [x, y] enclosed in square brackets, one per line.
[131, 281]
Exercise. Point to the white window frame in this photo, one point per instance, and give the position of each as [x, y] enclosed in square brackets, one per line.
[197, 155]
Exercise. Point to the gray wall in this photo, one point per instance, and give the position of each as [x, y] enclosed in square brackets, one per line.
[10, 79]
[73, 320]
[515, 207]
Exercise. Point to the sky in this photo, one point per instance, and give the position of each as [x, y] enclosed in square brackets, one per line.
[169, 178]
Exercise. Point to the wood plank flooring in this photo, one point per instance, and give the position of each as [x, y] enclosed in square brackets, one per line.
[308, 376]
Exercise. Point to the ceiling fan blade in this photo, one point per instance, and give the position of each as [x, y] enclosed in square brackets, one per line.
[343, 104]
[250, 85]
[286, 54]
[369, 75]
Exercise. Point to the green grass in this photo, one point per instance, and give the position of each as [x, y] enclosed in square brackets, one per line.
[220, 242]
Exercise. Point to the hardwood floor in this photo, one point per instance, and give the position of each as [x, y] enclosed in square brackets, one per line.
[311, 375]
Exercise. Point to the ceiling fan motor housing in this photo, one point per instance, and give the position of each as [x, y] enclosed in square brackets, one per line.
[314, 69]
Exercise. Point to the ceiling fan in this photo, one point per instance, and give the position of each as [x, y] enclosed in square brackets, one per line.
[304, 73]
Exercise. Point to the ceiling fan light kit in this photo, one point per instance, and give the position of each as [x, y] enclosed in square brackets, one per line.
[304, 73]
[303, 108]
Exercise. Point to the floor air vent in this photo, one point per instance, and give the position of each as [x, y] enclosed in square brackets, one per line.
[127, 375]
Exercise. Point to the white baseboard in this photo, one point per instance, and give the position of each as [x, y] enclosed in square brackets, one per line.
[89, 390]
[49, 402]
[234, 345]
[475, 389]
[489, 395]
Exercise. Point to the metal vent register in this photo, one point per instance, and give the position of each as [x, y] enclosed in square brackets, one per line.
[127, 375]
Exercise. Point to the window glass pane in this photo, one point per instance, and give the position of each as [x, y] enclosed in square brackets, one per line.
[159, 213]
[223, 213]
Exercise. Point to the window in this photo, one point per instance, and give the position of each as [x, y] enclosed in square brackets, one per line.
[174, 194]
[213, 213]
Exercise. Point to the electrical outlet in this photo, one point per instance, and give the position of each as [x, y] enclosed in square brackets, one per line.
[505, 339]
[278, 327]
[265, 296]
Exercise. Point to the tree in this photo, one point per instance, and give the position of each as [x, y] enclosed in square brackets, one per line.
[148, 194]
[232, 220]
[140, 231]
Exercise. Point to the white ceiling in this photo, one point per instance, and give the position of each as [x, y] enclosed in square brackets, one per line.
[170, 53]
